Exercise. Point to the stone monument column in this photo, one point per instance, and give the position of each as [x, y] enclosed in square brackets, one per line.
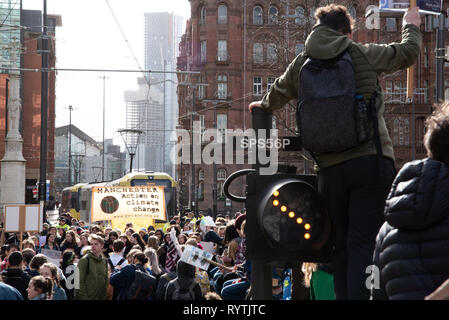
[13, 165]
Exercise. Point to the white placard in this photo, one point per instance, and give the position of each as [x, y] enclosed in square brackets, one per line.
[208, 246]
[12, 219]
[194, 256]
[32, 218]
[53, 256]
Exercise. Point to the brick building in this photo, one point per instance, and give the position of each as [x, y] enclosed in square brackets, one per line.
[240, 47]
[30, 94]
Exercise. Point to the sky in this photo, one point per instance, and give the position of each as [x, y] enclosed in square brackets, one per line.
[90, 38]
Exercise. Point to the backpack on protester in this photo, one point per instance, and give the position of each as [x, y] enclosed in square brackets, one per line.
[118, 264]
[331, 116]
[183, 293]
[143, 286]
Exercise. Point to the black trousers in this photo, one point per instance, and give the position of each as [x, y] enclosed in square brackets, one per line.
[354, 195]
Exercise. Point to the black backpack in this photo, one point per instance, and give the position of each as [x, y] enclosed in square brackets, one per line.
[331, 116]
[143, 286]
[183, 293]
[118, 264]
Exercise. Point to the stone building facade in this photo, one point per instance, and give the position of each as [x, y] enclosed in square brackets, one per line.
[238, 48]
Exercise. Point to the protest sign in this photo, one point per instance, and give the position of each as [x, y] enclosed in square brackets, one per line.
[425, 6]
[195, 256]
[53, 256]
[200, 258]
[128, 203]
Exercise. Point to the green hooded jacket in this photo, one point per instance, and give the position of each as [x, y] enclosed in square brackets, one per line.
[370, 61]
[93, 275]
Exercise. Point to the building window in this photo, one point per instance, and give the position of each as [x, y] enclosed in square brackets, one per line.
[257, 53]
[399, 91]
[222, 50]
[391, 24]
[299, 47]
[222, 14]
[270, 82]
[312, 15]
[299, 13]
[257, 87]
[396, 132]
[220, 190]
[273, 15]
[221, 174]
[388, 91]
[353, 12]
[201, 191]
[272, 56]
[222, 125]
[203, 51]
[222, 86]
[257, 15]
[203, 15]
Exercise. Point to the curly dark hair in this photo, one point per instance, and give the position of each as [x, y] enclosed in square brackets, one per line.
[336, 17]
[436, 139]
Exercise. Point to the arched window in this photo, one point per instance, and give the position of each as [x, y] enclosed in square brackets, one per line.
[257, 15]
[257, 53]
[273, 15]
[299, 13]
[203, 15]
[222, 14]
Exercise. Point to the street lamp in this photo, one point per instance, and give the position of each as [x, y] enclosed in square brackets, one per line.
[131, 142]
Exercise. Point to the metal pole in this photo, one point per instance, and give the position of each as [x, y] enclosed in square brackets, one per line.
[44, 107]
[163, 120]
[104, 103]
[440, 57]
[131, 156]
[214, 190]
[192, 165]
[6, 106]
[70, 144]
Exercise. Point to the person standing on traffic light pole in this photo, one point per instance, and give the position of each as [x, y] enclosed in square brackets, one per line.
[353, 188]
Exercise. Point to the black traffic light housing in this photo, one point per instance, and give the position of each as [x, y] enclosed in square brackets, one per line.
[286, 221]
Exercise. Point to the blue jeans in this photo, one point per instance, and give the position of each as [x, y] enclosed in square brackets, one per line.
[234, 291]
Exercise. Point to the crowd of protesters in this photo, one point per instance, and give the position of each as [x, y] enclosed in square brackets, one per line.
[97, 262]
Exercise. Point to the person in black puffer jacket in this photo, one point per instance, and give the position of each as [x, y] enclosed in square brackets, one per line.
[412, 247]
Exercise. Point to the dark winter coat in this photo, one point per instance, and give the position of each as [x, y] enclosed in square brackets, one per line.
[412, 247]
[18, 279]
[123, 278]
[186, 276]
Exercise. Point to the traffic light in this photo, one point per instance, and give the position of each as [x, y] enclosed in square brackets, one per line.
[286, 220]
